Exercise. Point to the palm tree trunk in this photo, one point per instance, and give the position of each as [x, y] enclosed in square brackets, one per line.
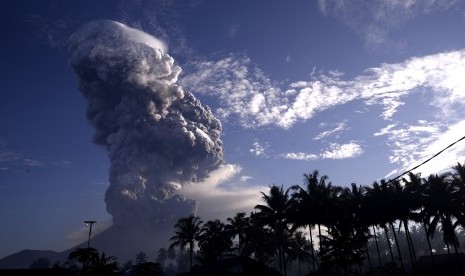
[459, 263]
[398, 249]
[429, 246]
[389, 244]
[313, 250]
[191, 252]
[448, 252]
[368, 258]
[377, 246]
[319, 237]
[284, 260]
[409, 245]
[239, 244]
[280, 260]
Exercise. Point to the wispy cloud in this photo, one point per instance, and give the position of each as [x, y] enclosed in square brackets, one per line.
[224, 190]
[342, 151]
[259, 150]
[375, 20]
[300, 156]
[249, 96]
[412, 144]
[334, 131]
[288, 58]
[15, 160]
[233, 31]
[334, 151]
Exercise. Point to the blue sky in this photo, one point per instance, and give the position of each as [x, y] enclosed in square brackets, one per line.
[360, 90]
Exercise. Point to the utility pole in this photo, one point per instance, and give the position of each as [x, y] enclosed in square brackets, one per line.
[89, 222]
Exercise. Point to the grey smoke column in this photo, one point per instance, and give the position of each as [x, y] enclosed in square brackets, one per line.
[157, 135]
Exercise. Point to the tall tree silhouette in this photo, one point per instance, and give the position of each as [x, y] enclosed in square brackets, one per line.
[274, 213]
[237, 227]
[214, 241]
[187, 231]
[298, 249]
[316, 201]
[442, 206]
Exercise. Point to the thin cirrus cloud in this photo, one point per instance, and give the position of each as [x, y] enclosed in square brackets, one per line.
[13, 160]
[375, 20]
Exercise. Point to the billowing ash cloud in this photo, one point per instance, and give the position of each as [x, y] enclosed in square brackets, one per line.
[156, 134]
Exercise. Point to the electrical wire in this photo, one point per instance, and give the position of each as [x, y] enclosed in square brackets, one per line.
[426, 161]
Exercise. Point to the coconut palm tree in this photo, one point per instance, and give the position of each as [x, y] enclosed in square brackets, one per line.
[405, 202]
[442, 206]
[274, 213]
[315, 202]
[354, 215]
[304, 213]
[298, 248]
[259, 242]
[236, 227]
[187, 231]
[214, 241]
[379, 204]
[458, 179]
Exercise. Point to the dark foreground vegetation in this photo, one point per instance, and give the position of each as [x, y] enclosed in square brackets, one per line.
[411, 226]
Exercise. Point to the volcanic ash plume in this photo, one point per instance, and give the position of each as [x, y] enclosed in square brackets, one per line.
[156, 134]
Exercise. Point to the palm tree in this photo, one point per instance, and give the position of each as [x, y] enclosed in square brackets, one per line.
[458, 179]
[162, 256]
[378, 197]
[315, 202]
[275, 215]
[237, 226]
[405, 201]
[214, 240]
[442, 206]
[258, 241]
[187, 231]
[92, 262]
[352, 209]
[298, 248]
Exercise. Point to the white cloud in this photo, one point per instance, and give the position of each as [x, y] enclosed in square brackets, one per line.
[413, 144]
[259, 150]
[375, 20]
[227, 199]
[334, 151]
[233, 31]
[288, 58]
[300, 156]
[245, 178]
[249, 97]
[342, 151]
[337, 129]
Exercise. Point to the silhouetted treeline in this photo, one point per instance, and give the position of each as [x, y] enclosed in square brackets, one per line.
[381, 228]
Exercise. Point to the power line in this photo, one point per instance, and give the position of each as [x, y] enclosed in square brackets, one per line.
[427, 160]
